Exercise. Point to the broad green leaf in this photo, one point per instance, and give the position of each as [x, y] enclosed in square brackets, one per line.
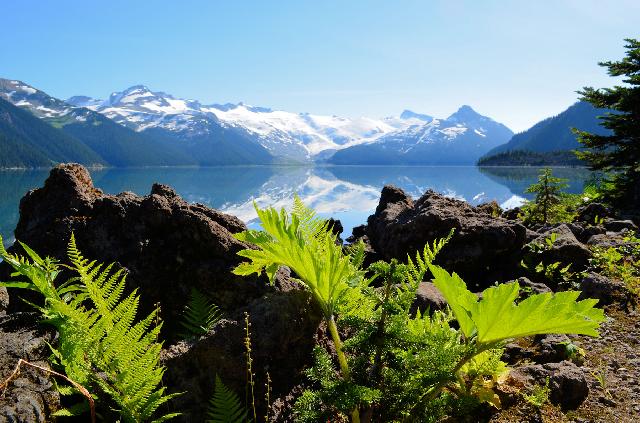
[496, 317]
[460, 299]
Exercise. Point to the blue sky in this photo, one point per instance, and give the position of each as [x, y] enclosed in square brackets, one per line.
[515, 61]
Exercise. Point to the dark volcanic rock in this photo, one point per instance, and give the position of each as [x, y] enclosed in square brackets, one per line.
[591, 211]
[512, 214]
[30, 397]
[620, 225]
[167, 245]
[566, 248]
[482, 248]
[535, 287]
[336, 228]
[583, 231]
[428, 298]
[551, 348]
[567, 382]
[606, 290]
[283, 326]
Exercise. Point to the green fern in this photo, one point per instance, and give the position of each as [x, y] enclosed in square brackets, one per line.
[200, 315]
[101, 344]
[225, 406]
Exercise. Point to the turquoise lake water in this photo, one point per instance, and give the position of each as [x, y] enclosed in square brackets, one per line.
[348, 193]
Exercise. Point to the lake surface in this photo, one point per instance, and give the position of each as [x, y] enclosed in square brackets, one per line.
[348, 193]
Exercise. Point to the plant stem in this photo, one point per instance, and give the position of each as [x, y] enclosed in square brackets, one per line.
[342, 360]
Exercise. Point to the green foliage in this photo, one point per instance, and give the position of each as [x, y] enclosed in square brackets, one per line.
[225, 406]
[620, 262]
[573, 352]
[398, 364]
[200, 315]
[617, 153]
[101, 345]
[539, 396]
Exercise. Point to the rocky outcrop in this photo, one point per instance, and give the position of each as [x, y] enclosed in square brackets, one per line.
[30, 397]
[283, 329]
[168, 245]
[482, 248]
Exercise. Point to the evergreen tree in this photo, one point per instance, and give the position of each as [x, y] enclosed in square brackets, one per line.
[618, 153]
[548, 190]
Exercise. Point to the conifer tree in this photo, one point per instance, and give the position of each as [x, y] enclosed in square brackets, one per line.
[618, 153]
[547, 191]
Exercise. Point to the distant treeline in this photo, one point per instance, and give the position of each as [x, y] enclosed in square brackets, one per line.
[531, 158]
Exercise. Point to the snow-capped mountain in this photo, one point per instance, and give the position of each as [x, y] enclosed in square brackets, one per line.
[293, 136]
[461, 138]
[38, 102]
[186, 132]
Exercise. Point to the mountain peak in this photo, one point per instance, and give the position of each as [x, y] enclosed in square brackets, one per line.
[464, 114]
[408, 114]
[130, 95]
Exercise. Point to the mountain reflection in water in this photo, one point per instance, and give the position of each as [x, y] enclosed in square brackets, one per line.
[348, 193]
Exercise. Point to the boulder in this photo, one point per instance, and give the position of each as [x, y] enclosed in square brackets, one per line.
[566, 248]
[534, 287]
[492, 208]
[620, 225]
[583, 231]
[551, 348]
[428, 297]
[31, 396]
[607, 291]
[607, 240]
[481, 249]
[512, 214]
[567, 383]
[283, 329]
[591, 211]
[167, 245]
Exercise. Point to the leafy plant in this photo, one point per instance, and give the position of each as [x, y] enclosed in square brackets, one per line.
[600, 376]
[302, 242]
[539, 395]
[225, 406]
[397, 364]
[101, 345]
[573, 352]
[200, 315]
[619, 262]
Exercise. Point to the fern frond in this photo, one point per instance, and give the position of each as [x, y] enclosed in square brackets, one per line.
[199, 315]
[225, 406]
[101, 343]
